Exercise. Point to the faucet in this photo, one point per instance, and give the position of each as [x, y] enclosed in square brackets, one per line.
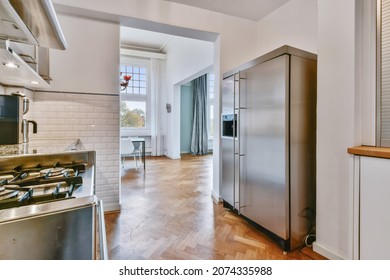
[25, 126]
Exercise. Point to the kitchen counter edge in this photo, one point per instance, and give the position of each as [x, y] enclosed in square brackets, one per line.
[370, 151]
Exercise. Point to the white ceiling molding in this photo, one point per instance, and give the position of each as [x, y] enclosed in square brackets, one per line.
[144, 40]
[137, 53]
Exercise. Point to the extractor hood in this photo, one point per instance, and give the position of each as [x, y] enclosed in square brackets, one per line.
[15, 71]
[32, 22]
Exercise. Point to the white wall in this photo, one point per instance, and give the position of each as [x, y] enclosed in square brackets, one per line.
[235, 44]
[238, 43]
[91, 62]
[294, 23]
[328, 29]
[187, 59]
[83, 102]
[336, 121]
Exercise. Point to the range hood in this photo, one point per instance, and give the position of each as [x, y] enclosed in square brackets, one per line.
[32, 22]
[15, 71]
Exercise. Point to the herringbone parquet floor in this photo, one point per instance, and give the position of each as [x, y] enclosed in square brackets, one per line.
[167, 213]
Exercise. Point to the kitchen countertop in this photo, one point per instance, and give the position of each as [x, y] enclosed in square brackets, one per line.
[370, 151]
[41, 146]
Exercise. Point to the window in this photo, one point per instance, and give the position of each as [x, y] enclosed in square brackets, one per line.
[137, 83]
[134, 98]
[384, 70]
[133, 114]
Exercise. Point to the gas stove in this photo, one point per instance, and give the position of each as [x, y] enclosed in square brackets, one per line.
[46, 200]
[25, 186]
[34, 178]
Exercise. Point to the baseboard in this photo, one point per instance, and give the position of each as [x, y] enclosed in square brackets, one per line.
[216, 199]
[111, 207]
[173, 156]
[318, 248]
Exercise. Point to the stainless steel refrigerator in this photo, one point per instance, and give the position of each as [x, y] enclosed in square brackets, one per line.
[268, 142]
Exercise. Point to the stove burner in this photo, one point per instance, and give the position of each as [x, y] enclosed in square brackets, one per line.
[51, 172]
[7, 194]
[20, 187]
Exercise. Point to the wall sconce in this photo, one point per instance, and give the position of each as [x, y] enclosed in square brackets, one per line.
[168, 107]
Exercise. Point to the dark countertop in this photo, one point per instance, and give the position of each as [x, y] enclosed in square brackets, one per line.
[41, 146]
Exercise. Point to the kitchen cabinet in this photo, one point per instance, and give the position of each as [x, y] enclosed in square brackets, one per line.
[374, 208]
[371, 197]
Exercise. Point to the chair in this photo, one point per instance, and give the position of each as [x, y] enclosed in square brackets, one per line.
[127, 149]
[138, 149]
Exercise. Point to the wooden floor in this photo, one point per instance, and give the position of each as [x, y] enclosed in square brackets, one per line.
[167, 213]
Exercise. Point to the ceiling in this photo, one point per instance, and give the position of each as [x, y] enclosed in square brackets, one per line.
[249, 9]
[156, 42]
[144, 40]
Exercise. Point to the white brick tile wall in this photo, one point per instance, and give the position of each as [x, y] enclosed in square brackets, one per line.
[94, 119]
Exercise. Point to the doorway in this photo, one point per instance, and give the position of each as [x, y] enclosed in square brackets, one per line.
[179, 59]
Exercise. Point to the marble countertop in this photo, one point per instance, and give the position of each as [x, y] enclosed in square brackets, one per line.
[41, 146]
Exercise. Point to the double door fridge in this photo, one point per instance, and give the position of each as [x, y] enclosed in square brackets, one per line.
[268, 142]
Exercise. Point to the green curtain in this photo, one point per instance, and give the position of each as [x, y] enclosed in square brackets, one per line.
[199, 138]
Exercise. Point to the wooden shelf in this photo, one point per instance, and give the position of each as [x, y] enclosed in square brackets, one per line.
[370, 151]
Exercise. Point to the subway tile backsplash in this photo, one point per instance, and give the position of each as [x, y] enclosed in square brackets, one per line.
[92, 118]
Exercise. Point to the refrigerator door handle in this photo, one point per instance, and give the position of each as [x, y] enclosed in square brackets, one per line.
[237, 141]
